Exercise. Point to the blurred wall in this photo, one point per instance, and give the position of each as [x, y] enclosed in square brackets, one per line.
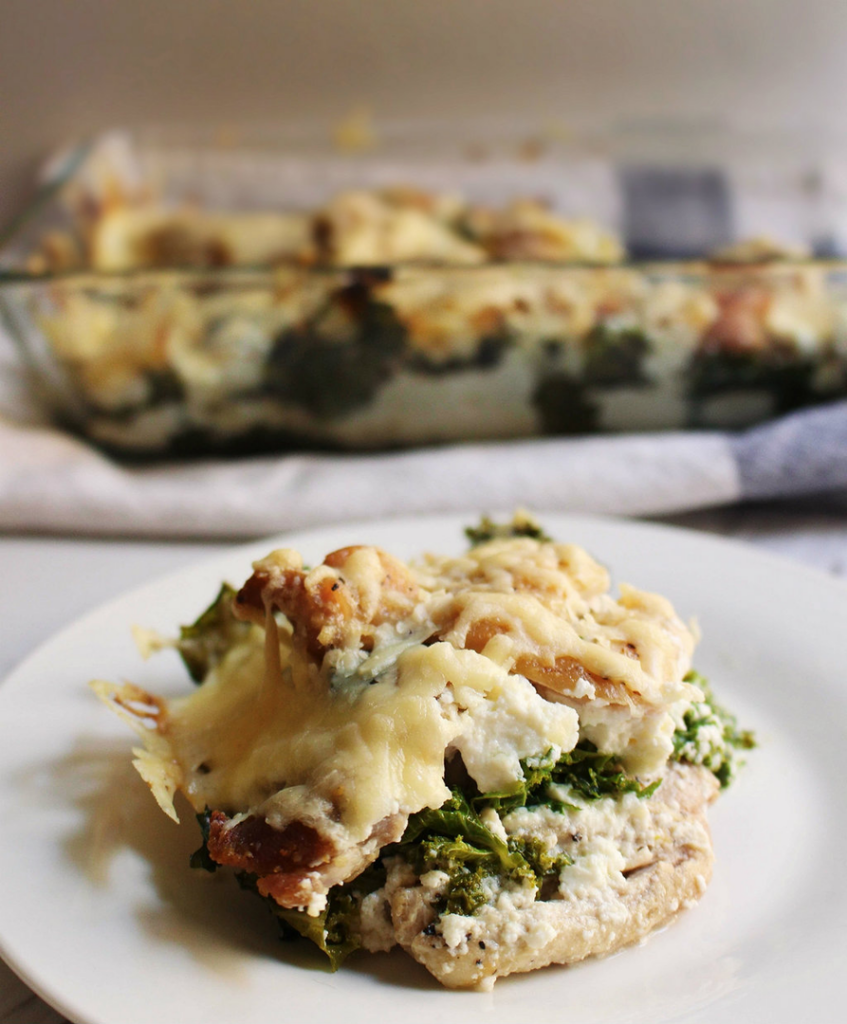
[70, 67]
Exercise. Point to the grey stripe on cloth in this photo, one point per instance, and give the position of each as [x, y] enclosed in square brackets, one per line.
[676, 213]
[803, 453]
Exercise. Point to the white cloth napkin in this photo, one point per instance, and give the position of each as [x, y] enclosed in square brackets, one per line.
[49, 481]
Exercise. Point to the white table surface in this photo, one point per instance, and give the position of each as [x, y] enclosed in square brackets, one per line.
[46, 583]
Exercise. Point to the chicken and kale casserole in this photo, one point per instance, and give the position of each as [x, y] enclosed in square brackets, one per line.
[396, 317]
[488, 760]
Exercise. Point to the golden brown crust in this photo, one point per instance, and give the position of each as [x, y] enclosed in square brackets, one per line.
[283, 859]
[562, 674]
[353, 591]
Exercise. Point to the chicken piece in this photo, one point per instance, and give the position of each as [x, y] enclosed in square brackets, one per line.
[362, 229]
[298, 864]
[340, 603]
[741, 326]
[528, 230]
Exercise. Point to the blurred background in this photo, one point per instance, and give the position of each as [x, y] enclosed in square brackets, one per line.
[653, 129]
[68, 70]
[720, 389]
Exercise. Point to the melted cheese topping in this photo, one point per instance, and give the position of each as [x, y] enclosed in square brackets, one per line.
[126, 238]
[249, 740]
[511, 651]
[552, 601]
[548, 612]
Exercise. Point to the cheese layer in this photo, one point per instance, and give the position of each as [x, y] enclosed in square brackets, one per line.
[344, 716]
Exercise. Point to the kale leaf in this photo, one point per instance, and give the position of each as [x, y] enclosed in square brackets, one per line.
[586, 772]
[337, 360]
[783, 375]
[522, 525]
[205, 642]
[614, 358]
[710, 735]
[335, 931]
[468, 866]
[456, 819]
[534, 851]
[201, 859]
[564, 405]
[455, 840]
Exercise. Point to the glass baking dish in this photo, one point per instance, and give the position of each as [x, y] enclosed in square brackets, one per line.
[197, 352]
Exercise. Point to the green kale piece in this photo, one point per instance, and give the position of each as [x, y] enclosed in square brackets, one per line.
[542, 863]
[614, 358]
[454, 839]
[586, 772]
[163, 387]
[522, 525]
[204, 643]
[468, 867]
[339, 358]
[335, 931]
[456, 819]
[200, 859]
[710, 735]
[466, 891]
[564, 405]
[530, 791]
[785, 376]
[593, 775]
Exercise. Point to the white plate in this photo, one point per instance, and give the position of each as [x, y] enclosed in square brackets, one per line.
[101, 915]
